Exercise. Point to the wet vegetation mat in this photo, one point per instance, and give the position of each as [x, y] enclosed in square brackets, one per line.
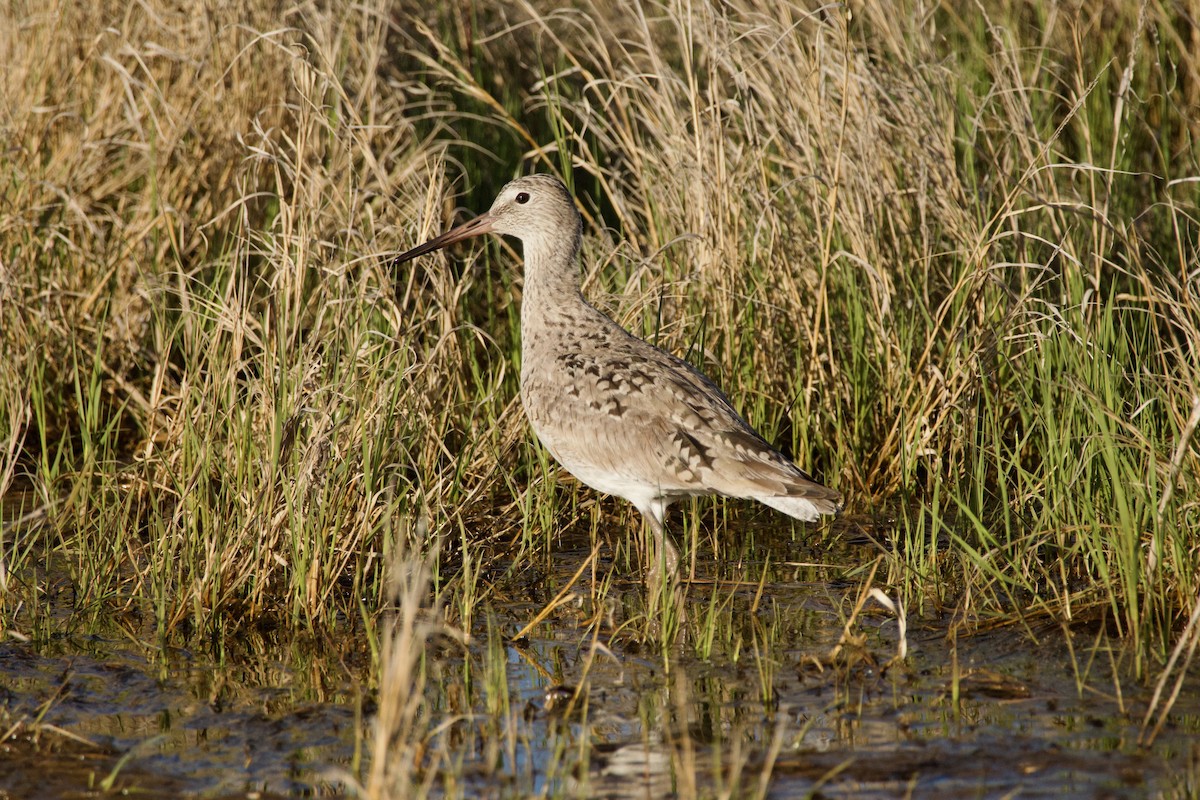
[273, 523]
[796, 695]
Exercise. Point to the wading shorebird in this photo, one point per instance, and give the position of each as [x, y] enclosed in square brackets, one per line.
[621, 415]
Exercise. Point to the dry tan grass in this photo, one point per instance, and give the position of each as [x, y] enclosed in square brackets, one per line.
[194, 210]
[869, 226]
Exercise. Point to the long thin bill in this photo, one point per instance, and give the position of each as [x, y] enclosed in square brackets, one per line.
[476, 227]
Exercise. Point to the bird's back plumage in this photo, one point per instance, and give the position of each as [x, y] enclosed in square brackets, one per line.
[631, 419]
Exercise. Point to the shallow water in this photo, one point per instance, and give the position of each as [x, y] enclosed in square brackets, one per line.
[585, 707]
[187, 725]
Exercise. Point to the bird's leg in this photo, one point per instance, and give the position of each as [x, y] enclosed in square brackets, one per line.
[662, 555]
[664, 592]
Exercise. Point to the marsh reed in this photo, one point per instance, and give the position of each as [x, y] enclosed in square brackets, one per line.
[946, 255]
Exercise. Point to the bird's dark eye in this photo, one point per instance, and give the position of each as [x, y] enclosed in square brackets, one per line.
[522, 197]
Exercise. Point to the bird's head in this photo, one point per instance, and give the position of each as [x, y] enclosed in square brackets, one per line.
[536, 209]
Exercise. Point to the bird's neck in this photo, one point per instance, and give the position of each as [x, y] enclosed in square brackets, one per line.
[551, 279]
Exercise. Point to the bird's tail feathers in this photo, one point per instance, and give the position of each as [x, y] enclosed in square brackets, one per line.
[807, 509]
